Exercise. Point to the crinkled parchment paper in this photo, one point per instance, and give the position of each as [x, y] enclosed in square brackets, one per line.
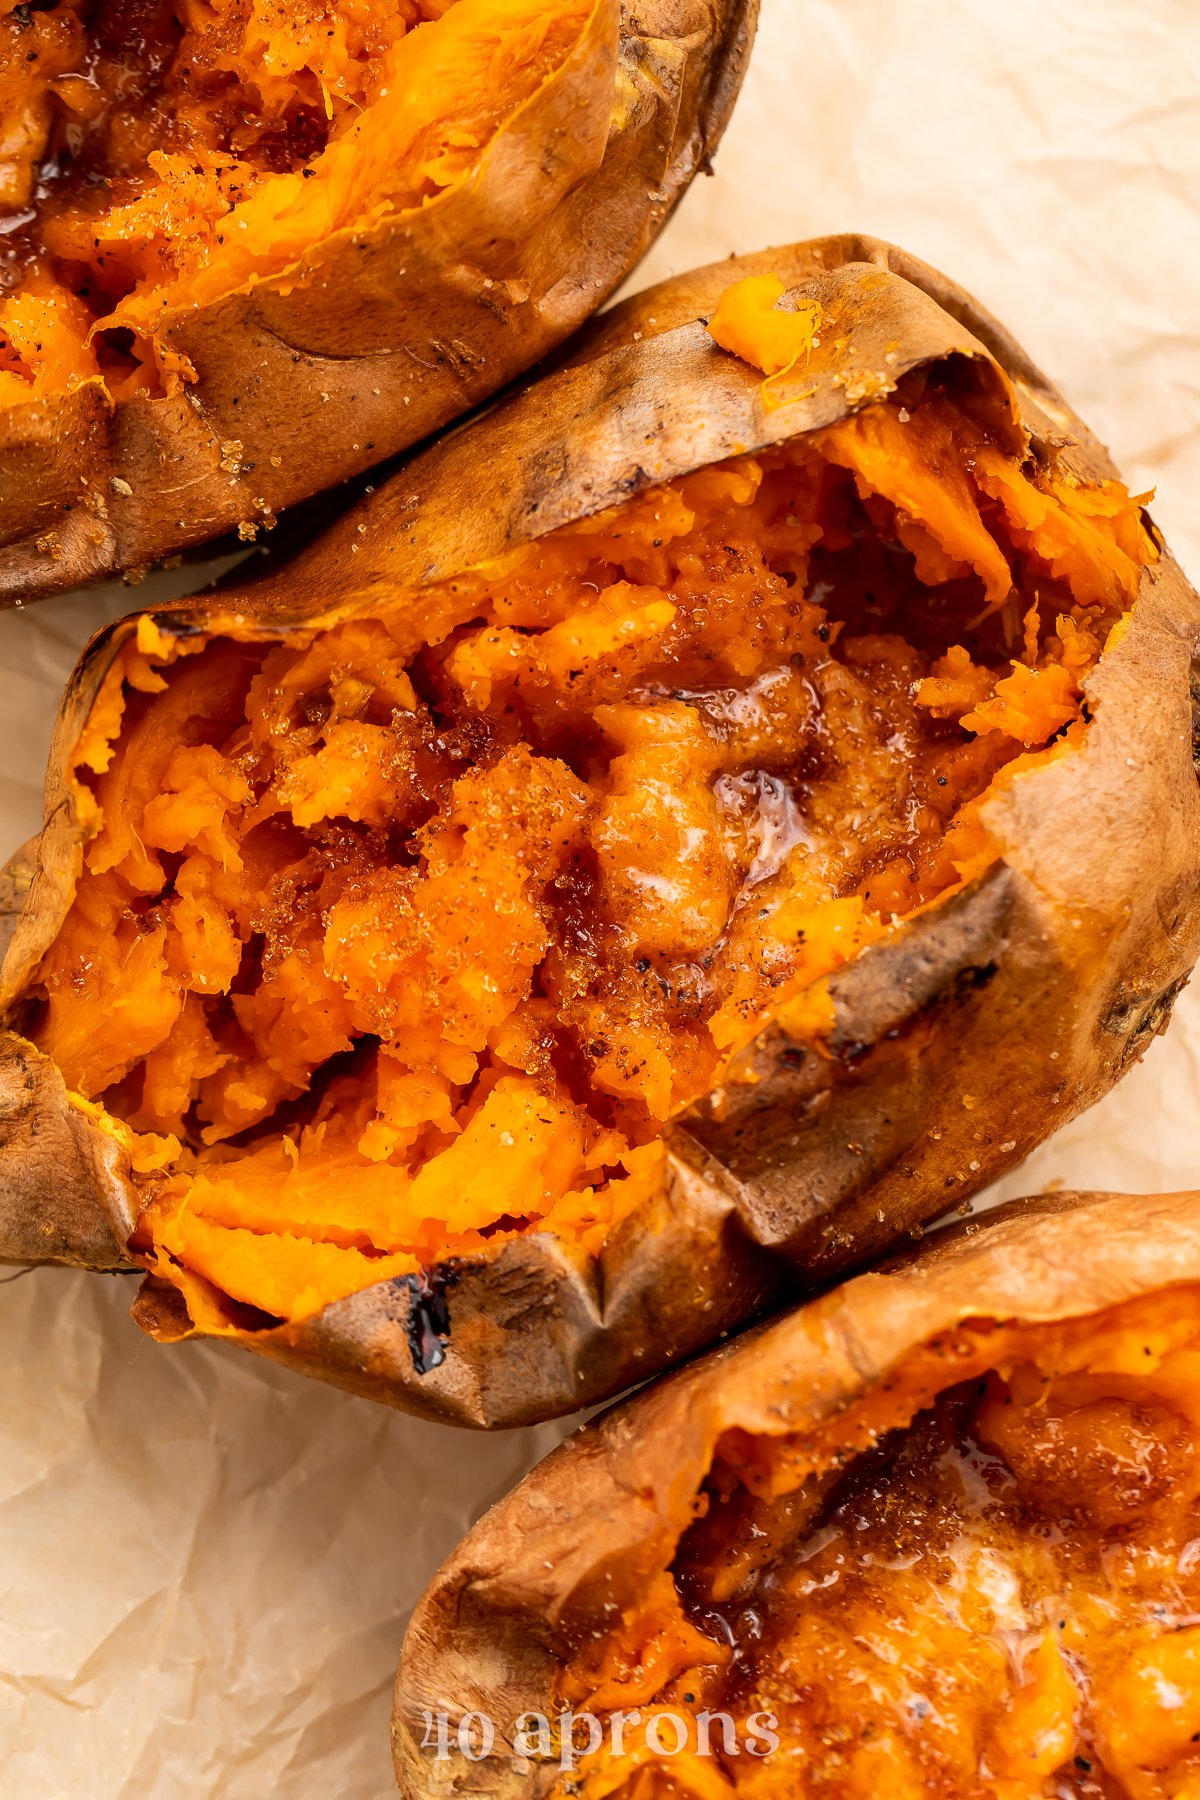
[206, 1563]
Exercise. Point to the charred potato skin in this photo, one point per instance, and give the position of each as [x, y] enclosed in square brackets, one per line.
[960, 1042]
[552, 1563]
[382, 336]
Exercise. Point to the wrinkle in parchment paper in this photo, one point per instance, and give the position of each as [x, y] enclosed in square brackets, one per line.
[204, 1559]
[205, 1562]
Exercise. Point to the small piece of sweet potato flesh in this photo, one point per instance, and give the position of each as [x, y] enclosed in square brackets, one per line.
[400, 937]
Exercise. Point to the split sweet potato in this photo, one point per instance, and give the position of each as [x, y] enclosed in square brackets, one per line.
[249, 250]
[689, 829]
[934, 1533]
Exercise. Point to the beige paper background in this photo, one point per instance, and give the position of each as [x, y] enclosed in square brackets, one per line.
[205, 1563]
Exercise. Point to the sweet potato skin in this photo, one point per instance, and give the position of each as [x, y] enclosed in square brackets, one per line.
[553, 1561]
[383, 335]
[959, 1042]
[50, 1150]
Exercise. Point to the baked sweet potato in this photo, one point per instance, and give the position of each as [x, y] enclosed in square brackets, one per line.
[933, 1534]
[687, 831]
[251, 249]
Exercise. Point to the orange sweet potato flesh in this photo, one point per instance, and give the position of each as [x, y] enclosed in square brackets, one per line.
[935, 1533]
[205, 147]
[213, 214]
[410, 936]
[997, 1598]
[680, 834]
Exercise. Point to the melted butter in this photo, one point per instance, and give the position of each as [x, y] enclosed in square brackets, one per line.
[999, 1601]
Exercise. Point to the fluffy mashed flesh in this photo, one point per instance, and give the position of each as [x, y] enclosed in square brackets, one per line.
[159, 154]
[981, 1583]
[407, 935]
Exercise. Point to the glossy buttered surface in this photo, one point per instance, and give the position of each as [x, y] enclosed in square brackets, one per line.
[998, 1599]
[460, 900]
[160, 156]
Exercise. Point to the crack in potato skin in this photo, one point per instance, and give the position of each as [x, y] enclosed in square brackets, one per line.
[981, 1583]
[158, 156]
[410, 934]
